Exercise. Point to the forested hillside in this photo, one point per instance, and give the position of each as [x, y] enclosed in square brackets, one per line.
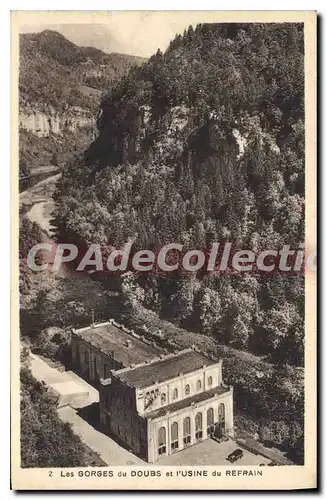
[55, 71]
[60, 88]
[205, 143]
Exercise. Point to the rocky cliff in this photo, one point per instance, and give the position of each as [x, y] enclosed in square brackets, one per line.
[46, 120]
[60, 89]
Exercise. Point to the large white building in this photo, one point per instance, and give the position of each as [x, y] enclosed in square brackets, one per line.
[155, 403]
[169, 403]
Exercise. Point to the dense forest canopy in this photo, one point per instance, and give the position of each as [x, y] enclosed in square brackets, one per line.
[205, 143]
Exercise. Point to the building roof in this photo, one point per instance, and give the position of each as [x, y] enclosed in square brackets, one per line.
[122, 346]
[184, 403]
[164, 369]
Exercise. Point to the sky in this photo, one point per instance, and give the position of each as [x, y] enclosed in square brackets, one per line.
[138, 33]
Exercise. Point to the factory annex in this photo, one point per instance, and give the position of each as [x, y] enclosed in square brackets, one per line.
[153, 403]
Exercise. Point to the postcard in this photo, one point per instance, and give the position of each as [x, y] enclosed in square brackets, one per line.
[163, 250]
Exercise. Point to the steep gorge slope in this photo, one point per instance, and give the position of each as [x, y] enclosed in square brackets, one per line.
[60, 87]
[205, 143]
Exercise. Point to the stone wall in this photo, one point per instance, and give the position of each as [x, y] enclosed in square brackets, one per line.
[119, 417]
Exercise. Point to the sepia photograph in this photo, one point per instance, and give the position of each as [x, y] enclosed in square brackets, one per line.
[163, 200]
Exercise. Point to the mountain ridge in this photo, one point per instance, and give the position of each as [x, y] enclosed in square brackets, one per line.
[66, 63]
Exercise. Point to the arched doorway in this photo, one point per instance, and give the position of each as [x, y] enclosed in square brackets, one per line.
[162, 441]
[174, 436]
[78, 357]
[198, 426]
[95, 369]
[187, 431]
[210, 422]
[87, 364]
[221, 418]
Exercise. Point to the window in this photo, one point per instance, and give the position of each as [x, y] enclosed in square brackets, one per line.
[77, 355]
[162, 441]
[198, 426]
[187, 390]
[163, 398]
[174, 436]
[95, 367]
[209, 381]
[86, 358]
[106, 371]
[221, 416]
[210, 422]
[175, 394]
[186, 431]
[147, 400]
[198, 385]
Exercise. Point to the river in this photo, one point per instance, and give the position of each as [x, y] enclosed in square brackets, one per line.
[38, 204]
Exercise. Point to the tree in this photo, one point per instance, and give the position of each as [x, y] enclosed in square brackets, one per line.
[210, 311]
[24, 170]
[275, 433]
[182, 300]
[277, 324]
[54, 159]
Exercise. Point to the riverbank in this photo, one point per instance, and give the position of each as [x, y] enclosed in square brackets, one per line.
[38, 205]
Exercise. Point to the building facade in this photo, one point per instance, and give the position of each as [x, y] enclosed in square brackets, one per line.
[161, 406]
